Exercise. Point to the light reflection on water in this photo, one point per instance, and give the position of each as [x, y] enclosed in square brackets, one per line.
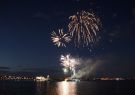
[59, 88]
[66, 88]
[85, 88]
[40, 88]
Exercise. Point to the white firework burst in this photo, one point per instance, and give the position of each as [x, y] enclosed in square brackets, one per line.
[60, 38]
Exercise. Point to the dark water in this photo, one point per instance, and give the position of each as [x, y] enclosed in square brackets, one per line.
[67, 88]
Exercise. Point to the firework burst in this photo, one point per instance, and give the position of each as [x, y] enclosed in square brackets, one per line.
[83, 28]
[69, 62]
[60, 38]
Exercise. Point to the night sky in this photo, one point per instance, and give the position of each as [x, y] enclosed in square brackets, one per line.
[25, 40]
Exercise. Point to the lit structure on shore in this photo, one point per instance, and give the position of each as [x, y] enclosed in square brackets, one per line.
[42, 78]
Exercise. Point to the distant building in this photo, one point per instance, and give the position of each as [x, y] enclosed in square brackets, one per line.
[42, 78]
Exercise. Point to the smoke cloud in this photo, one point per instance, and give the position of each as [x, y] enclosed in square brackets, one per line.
[87, 67]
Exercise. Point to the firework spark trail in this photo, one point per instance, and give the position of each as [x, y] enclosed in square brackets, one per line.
[83, 28]
[60, 38]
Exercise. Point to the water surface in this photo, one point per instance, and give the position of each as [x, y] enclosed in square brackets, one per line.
[67, 88]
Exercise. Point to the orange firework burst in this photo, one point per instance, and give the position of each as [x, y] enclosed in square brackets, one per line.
[83, 28]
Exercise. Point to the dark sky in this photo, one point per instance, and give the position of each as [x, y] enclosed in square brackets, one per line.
[26, 25]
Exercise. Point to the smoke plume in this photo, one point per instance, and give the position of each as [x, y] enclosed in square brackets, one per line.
[87, 67]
